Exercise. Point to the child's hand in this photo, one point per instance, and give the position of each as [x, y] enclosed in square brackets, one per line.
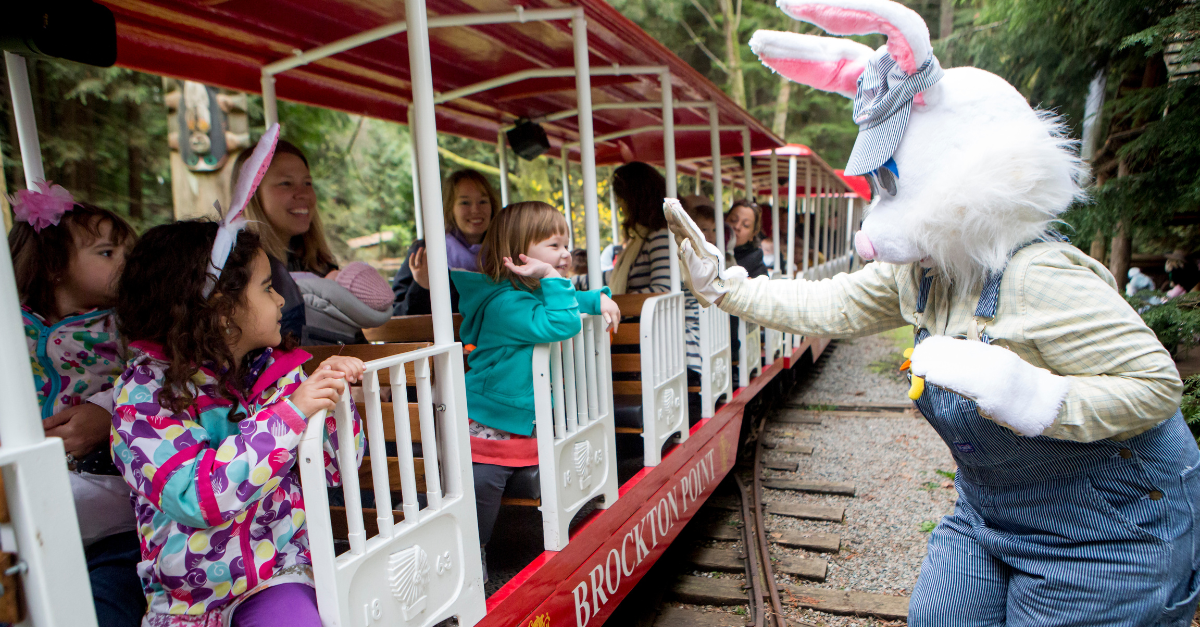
[611, 312]
[419, 266]
[319, 392]
[83, 428]
[352, 367]
[534, 268]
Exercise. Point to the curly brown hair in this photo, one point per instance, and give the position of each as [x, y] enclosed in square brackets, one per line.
[39, 262]
[160, 299]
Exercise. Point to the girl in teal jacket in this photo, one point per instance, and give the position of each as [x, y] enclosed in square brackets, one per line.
[508, 308]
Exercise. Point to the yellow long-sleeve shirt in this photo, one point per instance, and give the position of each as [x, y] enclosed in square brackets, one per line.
[1059, 309]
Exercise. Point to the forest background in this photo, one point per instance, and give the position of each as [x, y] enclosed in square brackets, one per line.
[104, 131]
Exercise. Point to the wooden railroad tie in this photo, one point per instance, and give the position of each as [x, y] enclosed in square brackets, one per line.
[801, 450]
[859, 408]
[791, 510]
[726, 591]
[815, 487]
[727, 561]
[672, 616]
[815, 542]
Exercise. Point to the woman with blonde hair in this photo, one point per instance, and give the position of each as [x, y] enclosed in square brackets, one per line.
[322, 303]
[468, 204]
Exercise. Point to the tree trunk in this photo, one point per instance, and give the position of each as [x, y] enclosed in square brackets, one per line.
[1122, 243]
[733, 55]
[779, 125]
[946, 19]
[1099, 247]
[133, 151]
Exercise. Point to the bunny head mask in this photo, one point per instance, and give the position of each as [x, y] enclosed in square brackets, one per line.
[962, 168]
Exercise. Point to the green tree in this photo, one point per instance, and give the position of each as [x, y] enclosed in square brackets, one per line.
[1149, 130]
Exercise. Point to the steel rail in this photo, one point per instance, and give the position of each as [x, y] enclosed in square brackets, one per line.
[763, 547]
[751, 532]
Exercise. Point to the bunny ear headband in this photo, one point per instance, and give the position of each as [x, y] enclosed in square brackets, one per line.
[233, 221]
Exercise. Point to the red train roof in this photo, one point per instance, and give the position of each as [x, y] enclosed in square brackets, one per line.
[227, 42]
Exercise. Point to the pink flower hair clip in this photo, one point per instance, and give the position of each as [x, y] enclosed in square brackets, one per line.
[42, 207]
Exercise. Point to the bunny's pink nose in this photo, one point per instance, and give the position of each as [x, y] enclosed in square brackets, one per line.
[862, 244]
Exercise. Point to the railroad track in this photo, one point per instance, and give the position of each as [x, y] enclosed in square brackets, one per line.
[737, 553]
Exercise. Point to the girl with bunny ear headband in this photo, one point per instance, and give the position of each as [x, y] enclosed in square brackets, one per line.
[1077, 476]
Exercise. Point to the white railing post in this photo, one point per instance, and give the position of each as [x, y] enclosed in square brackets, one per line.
[747, 166]
[775, 226]
[566, 192]
[612, 205]
[425, 126]
[502, 156]
[416, 178]
[27, 137]
[668, 124]
[587, 147]
[791, 226]
[270, 102]
[808, 207]
[718, 201]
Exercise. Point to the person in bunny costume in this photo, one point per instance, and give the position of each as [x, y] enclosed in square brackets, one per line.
[1077, 476]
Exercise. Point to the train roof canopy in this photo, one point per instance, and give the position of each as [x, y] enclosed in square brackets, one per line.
[228, 42]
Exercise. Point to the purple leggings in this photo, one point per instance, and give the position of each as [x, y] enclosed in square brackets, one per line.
[285, 605]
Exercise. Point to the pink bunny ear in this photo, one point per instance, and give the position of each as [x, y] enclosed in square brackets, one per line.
[252, 172]
[826, 63]
[908, 36]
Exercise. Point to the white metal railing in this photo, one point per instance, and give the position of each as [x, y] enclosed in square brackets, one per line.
[716, 360]
[426, 567]
[664, 374]
[576, 432]
[749, 351]
[773, 339]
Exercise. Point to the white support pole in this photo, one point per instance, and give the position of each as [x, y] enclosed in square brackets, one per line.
[808, 205]
[416, 181]
[819, 215]
[502, 154]
[612, 205]
[425, 126]
[747, 165]
[27, 137]
[718, 202]
[668, 123]
[587, 146]
[775, 226]
[791, 220]
[270, 102]
[697, 181]
[847, 241]
[566, 191]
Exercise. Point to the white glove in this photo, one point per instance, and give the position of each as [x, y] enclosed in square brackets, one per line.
[1007, 390]
[703, 278]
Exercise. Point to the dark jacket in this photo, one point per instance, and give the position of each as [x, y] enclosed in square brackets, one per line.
[750, 257]
[411, 298]
[293, 302]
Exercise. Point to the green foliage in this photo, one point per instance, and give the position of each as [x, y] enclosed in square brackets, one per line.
[927, 526]
[949, 474]
[1051, 49]
[1190, 404]
[103, 134]
[1176, 322]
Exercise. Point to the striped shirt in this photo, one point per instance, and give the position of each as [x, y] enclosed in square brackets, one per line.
[1059, 310]
[651, 272]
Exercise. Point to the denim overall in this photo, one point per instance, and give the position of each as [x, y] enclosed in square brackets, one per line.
[1055, 532]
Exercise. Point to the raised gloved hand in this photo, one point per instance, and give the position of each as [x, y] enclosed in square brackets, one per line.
[1006, 388]
[703, 278]
[699, 260]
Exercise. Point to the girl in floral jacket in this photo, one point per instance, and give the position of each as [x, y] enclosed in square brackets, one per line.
[207, 420]
[66, 259]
